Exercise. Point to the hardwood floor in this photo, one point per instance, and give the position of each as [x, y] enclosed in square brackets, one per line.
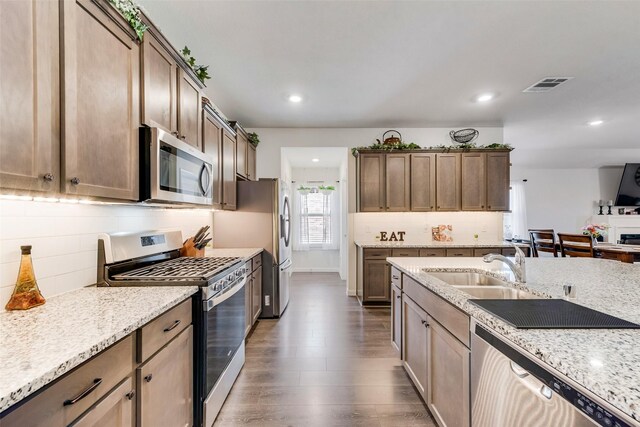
[326, 362]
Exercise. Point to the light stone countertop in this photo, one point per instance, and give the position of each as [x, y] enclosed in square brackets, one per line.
[604, 361]
[444, 245]
[246, 253]
[39, 345]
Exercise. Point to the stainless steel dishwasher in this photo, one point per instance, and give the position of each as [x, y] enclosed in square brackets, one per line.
[509, 389]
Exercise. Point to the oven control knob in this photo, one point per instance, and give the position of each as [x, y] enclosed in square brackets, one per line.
[230, 278]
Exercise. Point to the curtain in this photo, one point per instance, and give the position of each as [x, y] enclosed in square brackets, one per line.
[517, 218]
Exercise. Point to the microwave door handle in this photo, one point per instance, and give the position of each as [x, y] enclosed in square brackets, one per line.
[204, 168]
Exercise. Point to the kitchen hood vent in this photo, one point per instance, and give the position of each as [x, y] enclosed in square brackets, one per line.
[547, 84]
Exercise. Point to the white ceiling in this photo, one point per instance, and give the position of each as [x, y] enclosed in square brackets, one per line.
[328, 157]
[420, 63]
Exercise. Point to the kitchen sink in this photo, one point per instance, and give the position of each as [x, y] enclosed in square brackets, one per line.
[496, 292]
[467, 279]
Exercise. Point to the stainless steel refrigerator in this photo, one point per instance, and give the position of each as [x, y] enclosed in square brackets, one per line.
[262, 220]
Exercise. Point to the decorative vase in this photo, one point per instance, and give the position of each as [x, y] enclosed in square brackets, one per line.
[26, 294]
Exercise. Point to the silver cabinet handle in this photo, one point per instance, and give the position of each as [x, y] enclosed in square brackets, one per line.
[148, 378]
[75, 180]
[48, 177]
[424, 322]
[520, 372]
[84, 393]
[395, 277]
[131, 395]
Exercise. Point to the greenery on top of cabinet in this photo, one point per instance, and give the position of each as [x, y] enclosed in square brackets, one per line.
[131, 13]
[201, 71]
[253, 139]
[389, 147]
[469, 146]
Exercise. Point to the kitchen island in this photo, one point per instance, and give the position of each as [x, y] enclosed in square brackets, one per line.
[604, 361]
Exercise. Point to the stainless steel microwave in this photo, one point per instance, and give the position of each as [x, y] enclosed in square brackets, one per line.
[172, 171]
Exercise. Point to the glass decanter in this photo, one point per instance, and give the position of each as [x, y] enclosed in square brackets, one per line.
[26, 294]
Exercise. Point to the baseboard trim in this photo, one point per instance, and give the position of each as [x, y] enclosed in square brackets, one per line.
[316, 270]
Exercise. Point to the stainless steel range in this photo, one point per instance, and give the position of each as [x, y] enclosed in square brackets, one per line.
[153, 259]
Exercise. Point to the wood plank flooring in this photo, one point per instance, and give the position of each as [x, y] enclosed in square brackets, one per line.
[326, 362]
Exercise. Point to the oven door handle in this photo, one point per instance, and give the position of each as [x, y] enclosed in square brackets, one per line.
[212, 302]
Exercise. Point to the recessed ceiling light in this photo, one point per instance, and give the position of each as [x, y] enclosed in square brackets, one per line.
[485, 97]
[315, 160]
[596, 123]
[295, 98]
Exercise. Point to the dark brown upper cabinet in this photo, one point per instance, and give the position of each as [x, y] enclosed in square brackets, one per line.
[372, 182]
[212, 145]
[241, 154]
[473, 181]
[189, 109]
[251, 162]
[30, 94]
[423, 182]
[448, 181]
[398, 182]
[101, 116]
[498, 177]
[228, 171]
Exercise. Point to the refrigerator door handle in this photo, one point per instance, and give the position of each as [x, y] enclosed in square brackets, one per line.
[286, 265]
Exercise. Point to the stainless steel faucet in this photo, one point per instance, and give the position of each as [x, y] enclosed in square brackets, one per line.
[518, 267]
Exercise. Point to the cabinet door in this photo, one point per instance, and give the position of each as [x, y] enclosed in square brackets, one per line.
[228, 171]
[29, 96]
[248, 304]
[251, 162]
[473, 182]
[101, 104]
[241, 155]
[159, 85]
[372, 182]
[448, 182]
[398, 182]
[423, 182]
[256, 297]
[498, 167]
[212, 145]
[377, 283]
[396, 318]
[165, 385]
[429, 252]
[189, 110]
[114, 410]
[414, 343]
[448, 376]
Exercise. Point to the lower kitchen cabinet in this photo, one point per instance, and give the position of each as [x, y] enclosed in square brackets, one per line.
[115, 410]
[448, 375]
[248, 292]
[165, 384]
[415, 343]
[396, 315]
[253, 292]
[256, 294]
[377, 281]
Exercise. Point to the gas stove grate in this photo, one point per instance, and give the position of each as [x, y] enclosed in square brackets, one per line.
[180, 269]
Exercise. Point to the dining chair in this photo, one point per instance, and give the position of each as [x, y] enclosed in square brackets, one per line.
[543, 241]
[576, 245]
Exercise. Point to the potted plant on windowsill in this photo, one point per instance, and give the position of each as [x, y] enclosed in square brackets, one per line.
[327, 190]
[304, 190]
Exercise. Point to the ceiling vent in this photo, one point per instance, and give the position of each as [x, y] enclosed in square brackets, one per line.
[547, 84]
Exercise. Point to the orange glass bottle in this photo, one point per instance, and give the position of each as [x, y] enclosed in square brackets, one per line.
[26, 294]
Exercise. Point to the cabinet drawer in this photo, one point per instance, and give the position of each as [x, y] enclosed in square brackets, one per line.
[157, 333]
[460, 252]
[485, 251]
[66, 399]
[453, 319]
[249, 266]
[396, 277]
[426, 252]
[257, 261]
[377, 253]
[508, 251]
[405, 252]
[115, 410]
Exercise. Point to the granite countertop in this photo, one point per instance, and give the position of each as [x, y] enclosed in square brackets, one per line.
[444, 245]
[246, 253]
[39, 345]
[606, 362]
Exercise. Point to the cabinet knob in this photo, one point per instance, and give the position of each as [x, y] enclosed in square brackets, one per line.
[424, 322]
[131, 395]
[176, 134]
[48, 177]
[489, 207]
[430, 207]
[438, 207]
[182, 137]
[482, 206]
[148, 378]
[398, 296]
[75, 180]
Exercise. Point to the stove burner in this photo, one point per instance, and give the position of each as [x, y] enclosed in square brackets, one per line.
[180, 269]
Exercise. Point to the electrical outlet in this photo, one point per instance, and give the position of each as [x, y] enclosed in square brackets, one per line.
[267, 300]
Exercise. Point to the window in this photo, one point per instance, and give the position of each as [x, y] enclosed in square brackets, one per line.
[315, 219]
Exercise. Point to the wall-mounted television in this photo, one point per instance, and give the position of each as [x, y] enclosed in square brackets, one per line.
[629, 190]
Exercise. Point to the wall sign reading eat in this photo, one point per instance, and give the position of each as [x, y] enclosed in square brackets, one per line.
[395, 236]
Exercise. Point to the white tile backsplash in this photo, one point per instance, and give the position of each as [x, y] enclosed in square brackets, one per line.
[64, 238]
[417, 225]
